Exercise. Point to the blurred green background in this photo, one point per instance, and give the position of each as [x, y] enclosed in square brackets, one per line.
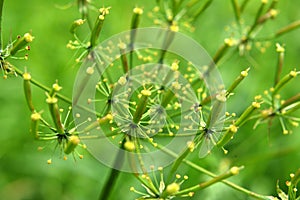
[24, 173]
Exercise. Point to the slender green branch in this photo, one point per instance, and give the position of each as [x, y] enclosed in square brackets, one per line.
[229, 183]
[287, 28]
[202, 9]
[43, 87]
[237, 81]
[201, 169]
[1, 7]
[255, 23]
[183, 155]
[231, 172]
[237, 10]
[290, 101]
[114, 174]
[58, 95]
[243, 5]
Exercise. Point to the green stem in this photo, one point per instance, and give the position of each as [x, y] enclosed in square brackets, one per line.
[183, 155]
[230, 184]
[289, 101]
[243, 5]
[141, 107]
[220, 53]
[288, 28]
[284, 81]
[83, 9]
[229, 173]
[255, 23]
[135, 21]
[114, 174]
[202, 9]
[237, 10]
[169, 37]
[200, 169]
[43, 87]
[279, 67]
[58, 95]
[237, 81]
[1, 7]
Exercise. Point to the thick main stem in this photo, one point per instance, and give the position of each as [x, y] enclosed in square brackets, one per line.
[1, 8]
[114, 174]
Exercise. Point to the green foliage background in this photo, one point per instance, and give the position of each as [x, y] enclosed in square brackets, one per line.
[24, 173]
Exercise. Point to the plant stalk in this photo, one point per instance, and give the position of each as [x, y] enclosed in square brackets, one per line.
[230, 184]
[1, 8]
[114, 174]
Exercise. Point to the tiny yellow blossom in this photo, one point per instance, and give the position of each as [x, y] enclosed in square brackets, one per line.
[174, 28]
[221, 96]
[233, 128]
[122, 45]
[90, 70]
[129, 146]
[279, 48]
[101, 17]
[245, 72]
[176, 85]
[174, 66]
[256, 105]
[26, 76]
[51, 100]
[122, 80]
[293, 73]
[173, 188]
[56, 87]
[28, 37]
[146, 92]
[138, 11]
[273, 12]
[79, 22]
[234, 170]
[229, 42]
[35, 116]
[191, 145]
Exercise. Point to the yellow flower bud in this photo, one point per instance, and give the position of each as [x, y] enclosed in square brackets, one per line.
[279, 48]
[146, 92]
[72, 143]
[35, 118]
[56, 87]
[138, 11]
[90, 70]
[28, 37]
[26, 76]
[234, 170]
[21, 43]
[173, 188]
[256, 105]
[293, 73]
[174, 28]
[233, 128]
[129, 146]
